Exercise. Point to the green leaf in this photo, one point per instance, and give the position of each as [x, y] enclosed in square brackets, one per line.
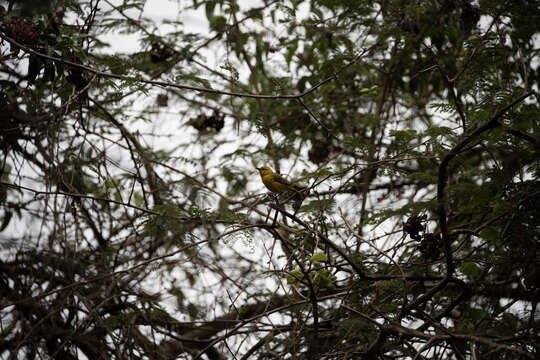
[490, 234]
[474, 314]
[49, 72]
[388, 307]
[403, 136]
[370, 90]
[209, 9]
[320, 205]
[34, 67]
[139, 199]
[319, 257]
[198, 80]
[423, 177]
[378, 218]
[291, 50]
[470, 269]
[294, 276]
[190, 277]
[323, 279]
[5, 221]
[218, 23]
[180, 297]
[302, 83]
[113, 322]
[502, 207]
[193, 310]
[438, 130]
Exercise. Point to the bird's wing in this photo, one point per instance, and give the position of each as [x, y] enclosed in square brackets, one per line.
[280, 179]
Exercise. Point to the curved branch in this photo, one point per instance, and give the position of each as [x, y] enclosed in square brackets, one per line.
[178, 86]
[443, 176]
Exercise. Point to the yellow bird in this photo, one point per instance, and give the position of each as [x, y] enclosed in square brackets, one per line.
[278, 184]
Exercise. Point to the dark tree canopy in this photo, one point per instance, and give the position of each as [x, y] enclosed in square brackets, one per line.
[134, 224]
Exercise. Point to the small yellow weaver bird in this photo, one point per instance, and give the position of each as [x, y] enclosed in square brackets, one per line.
[278, 184]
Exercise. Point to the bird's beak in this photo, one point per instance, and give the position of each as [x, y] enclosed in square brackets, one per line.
[258, 168]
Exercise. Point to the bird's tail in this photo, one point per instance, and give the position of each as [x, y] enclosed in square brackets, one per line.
[300, 193]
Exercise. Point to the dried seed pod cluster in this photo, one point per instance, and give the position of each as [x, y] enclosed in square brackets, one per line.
[160, 53]
[414, 225]
[77, 77]
[430, 244]
[203, 122]
[319, 152]
[162, 100]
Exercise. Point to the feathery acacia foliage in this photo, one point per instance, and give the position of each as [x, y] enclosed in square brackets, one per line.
[134, 224]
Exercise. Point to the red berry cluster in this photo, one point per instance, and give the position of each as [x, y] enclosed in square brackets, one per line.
[21, 31]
